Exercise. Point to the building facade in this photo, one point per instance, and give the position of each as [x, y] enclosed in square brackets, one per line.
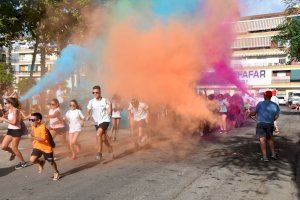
[21, 60]
[258, 60]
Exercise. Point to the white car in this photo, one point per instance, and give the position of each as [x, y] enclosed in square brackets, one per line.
[282, 101]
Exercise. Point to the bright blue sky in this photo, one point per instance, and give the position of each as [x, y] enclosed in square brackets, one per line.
[253, 7]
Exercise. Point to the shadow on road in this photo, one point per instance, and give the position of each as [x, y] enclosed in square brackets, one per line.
[244, 153]
[6, 171]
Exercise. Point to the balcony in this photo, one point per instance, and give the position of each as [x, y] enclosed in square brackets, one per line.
[284, 79]
[26, 73]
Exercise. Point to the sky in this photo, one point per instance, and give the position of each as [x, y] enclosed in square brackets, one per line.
[254, 7]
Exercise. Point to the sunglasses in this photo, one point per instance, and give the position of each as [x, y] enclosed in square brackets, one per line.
[72, 105]
[95, 92]
[53, 104]
[32, 120]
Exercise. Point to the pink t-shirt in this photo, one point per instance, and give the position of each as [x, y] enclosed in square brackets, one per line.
[57, 121]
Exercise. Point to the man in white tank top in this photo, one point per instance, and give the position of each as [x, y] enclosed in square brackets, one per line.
[100, 109]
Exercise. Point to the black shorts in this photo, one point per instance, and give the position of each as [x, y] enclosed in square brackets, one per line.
[39, 153]
[264, 130]
[15, 132]
[60, 131]
[104, 126]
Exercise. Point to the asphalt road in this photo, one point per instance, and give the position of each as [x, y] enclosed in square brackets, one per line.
[169, 167]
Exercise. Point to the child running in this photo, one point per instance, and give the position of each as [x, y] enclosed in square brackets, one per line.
[57, 125]
[42, 145]
[116, 116]
[138, 115]
[14, 132]
[101, 110]
[75, 118]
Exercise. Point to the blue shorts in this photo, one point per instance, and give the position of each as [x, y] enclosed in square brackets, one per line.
[264, 130]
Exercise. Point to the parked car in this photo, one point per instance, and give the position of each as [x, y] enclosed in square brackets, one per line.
[282, 101]
[294, 99]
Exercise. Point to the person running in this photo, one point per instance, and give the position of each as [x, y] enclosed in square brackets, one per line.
[223, 113]
[75, 119]
[56, 122]
[42, 145]
[14, 132]
[275, 100]
[116, 116]
[100, 109]
[138, 114]
[266, 113]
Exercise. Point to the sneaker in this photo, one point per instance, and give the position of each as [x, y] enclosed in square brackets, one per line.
[99, 156]
[41, 167]
[264, 159]
[12, 157]
[56, 176]
[143, 139]
[21, 165]
[74, 157]
[275, 157]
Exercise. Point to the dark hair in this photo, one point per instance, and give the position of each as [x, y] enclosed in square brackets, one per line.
[37, 115]
[56, 101]
[96, 87]
[14, 102]
[76, 104]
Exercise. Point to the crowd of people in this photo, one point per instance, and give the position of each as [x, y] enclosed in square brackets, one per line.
[66, 125]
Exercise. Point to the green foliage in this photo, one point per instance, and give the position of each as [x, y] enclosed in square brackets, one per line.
[6, 77]
[25, 84]
[289, 35]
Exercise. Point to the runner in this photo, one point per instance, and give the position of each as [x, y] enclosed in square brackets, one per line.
[266, 113]
[275, 100]
[14, 132]
[56, 122]
[223, 113]
[138, 114]
[75, 119]
[101, 110]
[42, 145]
[116, 116]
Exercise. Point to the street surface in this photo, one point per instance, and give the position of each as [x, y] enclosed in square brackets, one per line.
[216, 167]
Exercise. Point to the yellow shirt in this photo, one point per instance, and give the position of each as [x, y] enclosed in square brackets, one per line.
[41, 132]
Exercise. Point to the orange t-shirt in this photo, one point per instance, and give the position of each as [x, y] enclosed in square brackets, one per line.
[41, 132]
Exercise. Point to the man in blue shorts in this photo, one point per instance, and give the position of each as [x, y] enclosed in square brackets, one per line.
[266, 113]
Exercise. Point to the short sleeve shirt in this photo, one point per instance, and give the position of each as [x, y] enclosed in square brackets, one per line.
[41, 132]
[139, 113]
[266, 112]
[99, 110]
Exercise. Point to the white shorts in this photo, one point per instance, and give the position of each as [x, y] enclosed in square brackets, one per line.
[75, 129]
[116, 115]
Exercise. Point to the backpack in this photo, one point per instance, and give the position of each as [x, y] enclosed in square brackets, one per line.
[51, 141]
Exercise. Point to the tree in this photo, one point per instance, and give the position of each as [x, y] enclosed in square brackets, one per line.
[25, 84]
[6, 78]
[289, 35]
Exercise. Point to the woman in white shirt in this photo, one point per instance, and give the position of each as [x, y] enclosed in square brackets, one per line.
[116, 116]
[75, 119]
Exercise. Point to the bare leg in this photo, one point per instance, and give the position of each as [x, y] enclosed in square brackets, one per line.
[5, 144]
[262, 141]
[272, 146]
[54, 166]
[15, 148]
[117, 127]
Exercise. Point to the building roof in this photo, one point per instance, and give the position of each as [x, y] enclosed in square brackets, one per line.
[296, 11]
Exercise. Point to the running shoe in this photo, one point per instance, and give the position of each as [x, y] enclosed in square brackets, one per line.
[99, 156]
[41, 166]
[143, 139]
[264, 159]
[12, 157]
[56, 176]
[21, 165]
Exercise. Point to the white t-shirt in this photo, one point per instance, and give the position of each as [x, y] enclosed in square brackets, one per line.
[60, 96]
[57, 121]
[275, 100]
[99, 110]
[74, 117]
[139, 113]
[116, 112]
